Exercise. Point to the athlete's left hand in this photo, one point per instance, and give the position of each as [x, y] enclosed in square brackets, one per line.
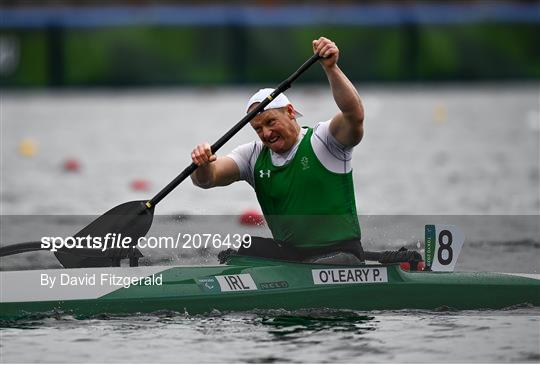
[326, 49]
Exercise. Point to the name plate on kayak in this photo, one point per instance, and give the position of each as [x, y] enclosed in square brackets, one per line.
[350, 276]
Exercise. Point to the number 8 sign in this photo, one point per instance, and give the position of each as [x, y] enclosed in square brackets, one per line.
[442, 247]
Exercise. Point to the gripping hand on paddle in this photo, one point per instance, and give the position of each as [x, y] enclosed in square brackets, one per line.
[328, 50]
[212, 170]
[202, 155]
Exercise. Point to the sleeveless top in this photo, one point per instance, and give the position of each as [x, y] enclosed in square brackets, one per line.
[304, 203]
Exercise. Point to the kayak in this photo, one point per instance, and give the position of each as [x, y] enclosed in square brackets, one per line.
[249, 283]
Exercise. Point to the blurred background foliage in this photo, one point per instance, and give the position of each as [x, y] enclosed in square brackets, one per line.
[144, 43]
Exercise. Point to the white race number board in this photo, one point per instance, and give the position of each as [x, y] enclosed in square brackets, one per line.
[443, 245]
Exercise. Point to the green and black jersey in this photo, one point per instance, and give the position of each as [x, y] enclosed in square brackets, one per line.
[304, 203]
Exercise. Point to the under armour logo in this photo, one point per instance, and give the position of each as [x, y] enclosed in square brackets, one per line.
[263, 173]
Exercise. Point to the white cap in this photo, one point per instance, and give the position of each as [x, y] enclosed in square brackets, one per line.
[279, 102]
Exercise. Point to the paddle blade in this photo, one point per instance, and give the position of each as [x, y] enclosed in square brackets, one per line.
[132, 219]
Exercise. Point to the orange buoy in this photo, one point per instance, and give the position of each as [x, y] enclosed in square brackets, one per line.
[28, 147]
[251, 218]
[72, 165]
[440, 114]
[140, 185]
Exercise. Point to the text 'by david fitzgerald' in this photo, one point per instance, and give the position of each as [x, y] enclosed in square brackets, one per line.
[101, 279]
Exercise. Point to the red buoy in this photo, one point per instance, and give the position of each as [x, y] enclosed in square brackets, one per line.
[407, 266]
[72, 165]
[251, 218]
[140, 185]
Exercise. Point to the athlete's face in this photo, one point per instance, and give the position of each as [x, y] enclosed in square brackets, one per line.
[277, 128]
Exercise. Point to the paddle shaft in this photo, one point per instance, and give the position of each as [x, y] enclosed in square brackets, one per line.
[227, 136]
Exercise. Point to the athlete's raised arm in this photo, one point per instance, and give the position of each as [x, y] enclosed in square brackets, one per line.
[348, 125]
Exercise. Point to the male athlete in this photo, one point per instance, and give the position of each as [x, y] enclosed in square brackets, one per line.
[302, 176]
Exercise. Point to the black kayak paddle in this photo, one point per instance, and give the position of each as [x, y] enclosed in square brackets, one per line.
[134, 219]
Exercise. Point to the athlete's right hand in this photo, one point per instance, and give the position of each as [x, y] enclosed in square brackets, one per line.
[202, 155]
